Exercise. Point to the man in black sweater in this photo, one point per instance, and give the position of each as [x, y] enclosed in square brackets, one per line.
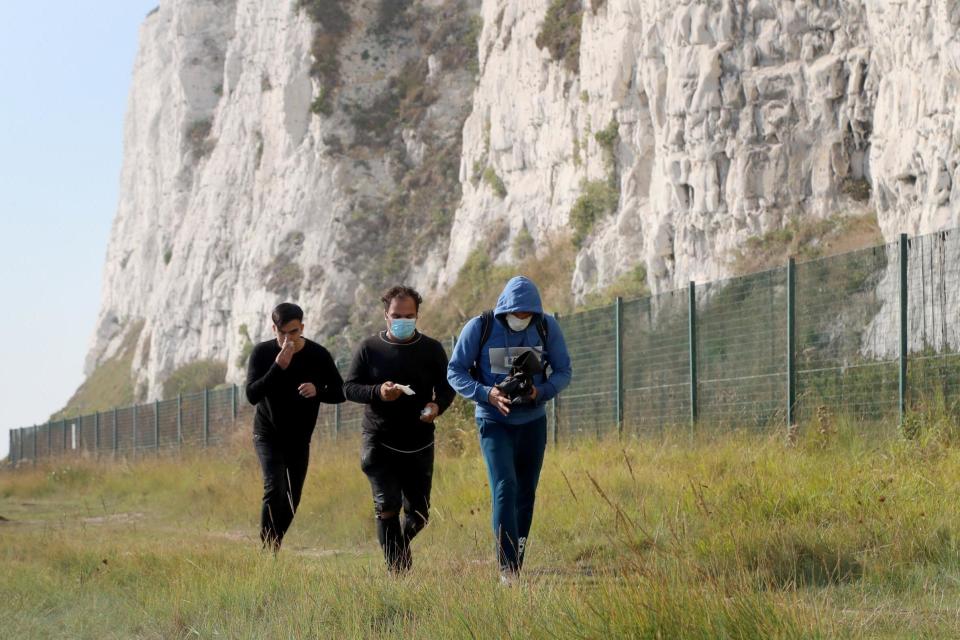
[287, 379]
[400, 374]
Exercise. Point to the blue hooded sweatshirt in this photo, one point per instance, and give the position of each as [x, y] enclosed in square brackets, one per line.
[520, 295]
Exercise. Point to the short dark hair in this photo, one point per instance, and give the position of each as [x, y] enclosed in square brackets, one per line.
[286, 312]
[400, 291]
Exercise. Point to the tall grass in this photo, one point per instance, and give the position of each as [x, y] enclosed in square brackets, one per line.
[845, 532]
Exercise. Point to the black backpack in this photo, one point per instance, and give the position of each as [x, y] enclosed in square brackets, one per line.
[486, 326]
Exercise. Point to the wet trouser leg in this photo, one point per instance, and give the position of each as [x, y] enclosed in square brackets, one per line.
[398, 480]
[514, 457]
[284, 466]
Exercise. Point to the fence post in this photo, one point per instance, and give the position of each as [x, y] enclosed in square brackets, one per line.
[114, 432]
[156, 425]
[134, 409]
[336, 422]
[96, 433]
[206, 417]
[556, 407]
[618, 342]
[553, 420]
[179, 420]
[63, 430]
[791, 341]
[903, 328]
[234, 398]
[692, 338]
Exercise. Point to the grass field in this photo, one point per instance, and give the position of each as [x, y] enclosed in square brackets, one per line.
[846, 533]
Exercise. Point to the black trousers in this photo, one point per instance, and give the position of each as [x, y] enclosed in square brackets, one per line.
[398, 480]
[284, 466]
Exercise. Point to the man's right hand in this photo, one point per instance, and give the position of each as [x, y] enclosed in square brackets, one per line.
[286, 353]
[499, 400]
[389, 391]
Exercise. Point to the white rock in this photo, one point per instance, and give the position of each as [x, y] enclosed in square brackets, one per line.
[733, 117]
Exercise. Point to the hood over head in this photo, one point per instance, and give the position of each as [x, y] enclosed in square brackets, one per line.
[519, 295]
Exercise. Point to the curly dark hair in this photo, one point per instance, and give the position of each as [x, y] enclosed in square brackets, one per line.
[400, 291]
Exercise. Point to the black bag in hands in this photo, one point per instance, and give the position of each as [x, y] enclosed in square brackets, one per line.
[518, 385]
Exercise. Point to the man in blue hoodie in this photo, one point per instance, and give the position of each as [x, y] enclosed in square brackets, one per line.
[513, 436]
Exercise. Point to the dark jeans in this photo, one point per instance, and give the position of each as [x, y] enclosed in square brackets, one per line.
[514, 457]
[398, 480]
[284, 466]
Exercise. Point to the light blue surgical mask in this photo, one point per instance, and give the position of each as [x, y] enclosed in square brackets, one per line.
[403, 328]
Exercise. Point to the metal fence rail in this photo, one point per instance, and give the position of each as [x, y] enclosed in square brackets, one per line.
[871, 334]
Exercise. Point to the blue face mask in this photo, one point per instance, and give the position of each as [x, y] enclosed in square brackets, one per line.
[403, 328]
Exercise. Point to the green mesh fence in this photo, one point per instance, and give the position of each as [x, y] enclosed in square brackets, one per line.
[741, 349]
[656, 362]
[933, 330]
[588, 405]
[632, 361]
[167, 436]
[847, 310]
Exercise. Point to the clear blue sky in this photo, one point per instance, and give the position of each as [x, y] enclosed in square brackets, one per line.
[64, 75]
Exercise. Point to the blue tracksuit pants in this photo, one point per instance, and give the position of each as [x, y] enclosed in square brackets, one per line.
[514, 456]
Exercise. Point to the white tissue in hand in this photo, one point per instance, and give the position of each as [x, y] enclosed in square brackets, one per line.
[407, 390]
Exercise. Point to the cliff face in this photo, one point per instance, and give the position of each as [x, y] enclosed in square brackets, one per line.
[316, 150]
[251, 176]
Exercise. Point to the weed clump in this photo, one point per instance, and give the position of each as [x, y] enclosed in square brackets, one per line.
[560, 32]
[597, 200]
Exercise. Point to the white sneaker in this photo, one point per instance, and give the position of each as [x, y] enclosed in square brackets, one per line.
[508, 578]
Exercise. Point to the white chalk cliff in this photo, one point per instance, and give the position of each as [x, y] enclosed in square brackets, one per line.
[719, 120]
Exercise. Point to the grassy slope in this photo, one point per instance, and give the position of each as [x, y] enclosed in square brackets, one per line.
[109, 385]
[480, 283]
[730, 535]
[808, 239]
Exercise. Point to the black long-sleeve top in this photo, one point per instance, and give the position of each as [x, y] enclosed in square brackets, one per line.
[421, 364]
[281, 410]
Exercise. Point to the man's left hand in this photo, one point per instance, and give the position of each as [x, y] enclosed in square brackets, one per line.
[434, 412]
[307, 390]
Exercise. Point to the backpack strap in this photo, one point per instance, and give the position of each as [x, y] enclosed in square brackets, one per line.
[486, 327]
[543, 329]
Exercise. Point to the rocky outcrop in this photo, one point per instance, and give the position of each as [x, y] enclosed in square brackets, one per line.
[249, 179]
[732, 118]
[273, 155]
